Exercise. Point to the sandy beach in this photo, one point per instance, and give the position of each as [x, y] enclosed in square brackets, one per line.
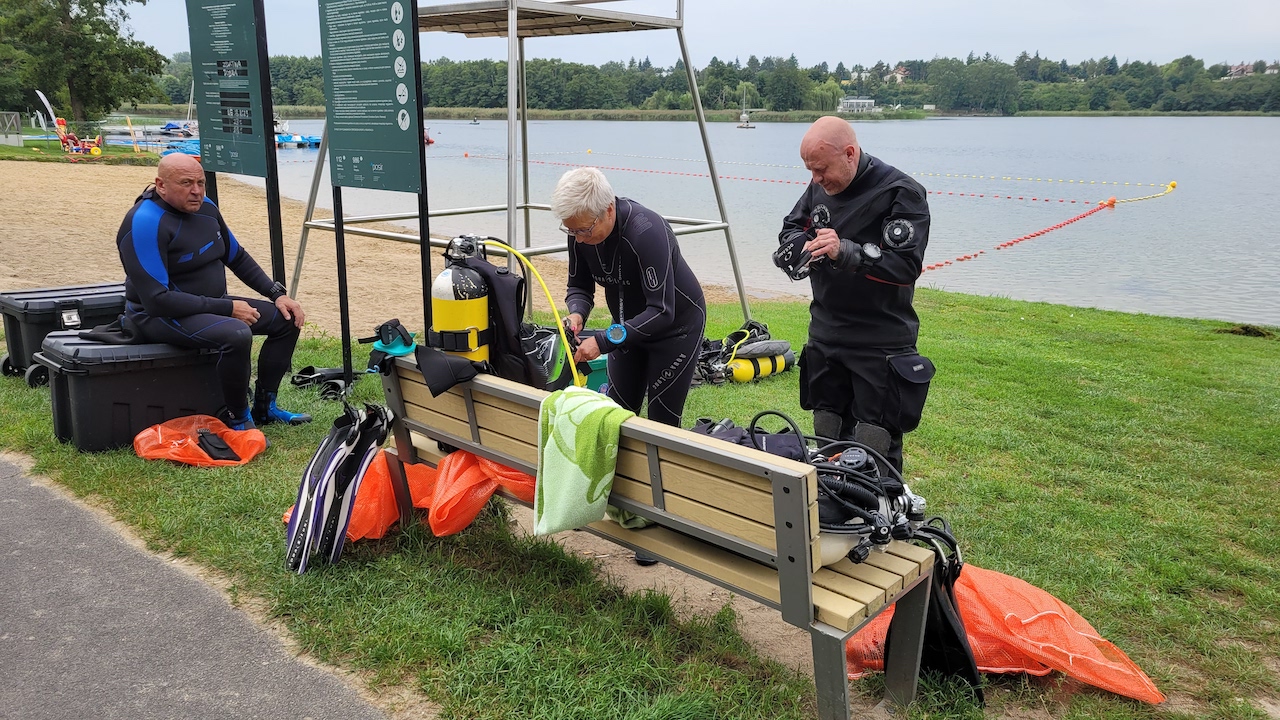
[58, 225]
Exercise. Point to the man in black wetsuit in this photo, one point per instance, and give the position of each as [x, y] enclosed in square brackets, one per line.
[864, 224]
[175, 246]
[655, 301]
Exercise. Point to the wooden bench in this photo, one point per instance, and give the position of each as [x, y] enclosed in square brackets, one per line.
[740, 518]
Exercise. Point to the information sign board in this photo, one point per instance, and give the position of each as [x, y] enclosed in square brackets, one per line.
[374, 107]
[234, 129]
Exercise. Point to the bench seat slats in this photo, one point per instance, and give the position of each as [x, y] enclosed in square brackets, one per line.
[874, 576]
[847, 586]
[908, 569]
[837, 610]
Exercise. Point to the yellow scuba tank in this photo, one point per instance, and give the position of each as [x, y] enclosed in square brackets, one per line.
[748, 369]
[460, 303]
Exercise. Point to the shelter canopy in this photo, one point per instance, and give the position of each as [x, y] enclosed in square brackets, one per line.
[488, 18]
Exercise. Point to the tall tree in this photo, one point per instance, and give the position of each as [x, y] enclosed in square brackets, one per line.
[79, 52]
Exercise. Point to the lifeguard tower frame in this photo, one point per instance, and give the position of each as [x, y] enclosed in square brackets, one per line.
[531, 18]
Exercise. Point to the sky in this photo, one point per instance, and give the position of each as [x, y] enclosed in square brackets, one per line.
[835, 31]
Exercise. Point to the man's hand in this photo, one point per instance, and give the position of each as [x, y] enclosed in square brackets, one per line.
[824, 244]
[587, 351]
[244, 312]
[291, 310]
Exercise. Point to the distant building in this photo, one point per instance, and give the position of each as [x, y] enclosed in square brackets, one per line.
[1273, 69]
[857, 105]
[899, 74]
[930, 106]
[1238, 71]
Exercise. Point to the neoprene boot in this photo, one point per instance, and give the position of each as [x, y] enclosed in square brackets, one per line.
[244, 422]
[265, 411]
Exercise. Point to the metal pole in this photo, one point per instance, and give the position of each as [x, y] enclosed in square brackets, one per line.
[211, 186]
[340, 244]
[274, 226]
[513, 101]
[311, 210]
[524, 148]
[711, 167]
[424, 221]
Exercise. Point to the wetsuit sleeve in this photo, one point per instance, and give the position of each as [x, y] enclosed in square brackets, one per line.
[144, 252]
[240, 262]
[796, 223]
[580, 292]
[908, 221]
[650, 238]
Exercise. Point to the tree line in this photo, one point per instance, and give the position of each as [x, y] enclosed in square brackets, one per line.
[974, 84]
[78, 52]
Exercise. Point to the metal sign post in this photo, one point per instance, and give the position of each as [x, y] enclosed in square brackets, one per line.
[232, 94]
[372, 82]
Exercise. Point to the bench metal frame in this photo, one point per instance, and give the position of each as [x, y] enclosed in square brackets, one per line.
[792, 559]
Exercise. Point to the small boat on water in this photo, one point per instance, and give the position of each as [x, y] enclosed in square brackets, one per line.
[184, 128]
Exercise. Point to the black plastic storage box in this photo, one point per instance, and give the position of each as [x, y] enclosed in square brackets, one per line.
[104, 395]
[29, 315]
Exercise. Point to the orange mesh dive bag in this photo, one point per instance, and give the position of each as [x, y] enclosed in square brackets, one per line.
[179, 440]
[1014, 626]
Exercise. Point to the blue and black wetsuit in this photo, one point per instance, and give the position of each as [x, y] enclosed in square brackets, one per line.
[176, 293]
[652, 292]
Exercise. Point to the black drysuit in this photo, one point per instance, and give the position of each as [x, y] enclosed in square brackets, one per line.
[176, 293]
[860, 363]
[652, 292]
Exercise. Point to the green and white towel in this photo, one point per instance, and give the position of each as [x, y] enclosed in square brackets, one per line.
[577, 455]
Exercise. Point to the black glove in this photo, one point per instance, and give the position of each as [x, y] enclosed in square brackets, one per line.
[792, 258]
[859, 258]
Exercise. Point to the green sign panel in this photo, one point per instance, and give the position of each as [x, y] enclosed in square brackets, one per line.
[234, 130]
[374, 113]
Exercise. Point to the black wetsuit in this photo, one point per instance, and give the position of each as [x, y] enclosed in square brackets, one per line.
[862, 319]
[176, 293]
[660, 304]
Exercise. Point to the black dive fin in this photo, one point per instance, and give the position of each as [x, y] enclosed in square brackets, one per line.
[371, 434]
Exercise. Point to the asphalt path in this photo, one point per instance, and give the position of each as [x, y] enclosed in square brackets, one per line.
[91, 626]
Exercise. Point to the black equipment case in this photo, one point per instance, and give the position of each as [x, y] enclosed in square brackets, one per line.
[104, 395]
[29, 315]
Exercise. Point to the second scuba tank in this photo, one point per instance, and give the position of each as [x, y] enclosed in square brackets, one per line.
[460, 303]
[748, 369]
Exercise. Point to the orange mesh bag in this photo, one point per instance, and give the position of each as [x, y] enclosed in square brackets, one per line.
[178, 440]
[1014, 627]
[465, 484]
[375, 510]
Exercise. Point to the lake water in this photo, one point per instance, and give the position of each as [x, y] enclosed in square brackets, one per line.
[1209, 249]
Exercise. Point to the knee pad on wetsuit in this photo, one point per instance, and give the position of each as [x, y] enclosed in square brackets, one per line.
[826, 424]
[873, 436]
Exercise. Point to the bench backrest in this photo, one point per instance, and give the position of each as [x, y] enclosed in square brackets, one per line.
[745, 519]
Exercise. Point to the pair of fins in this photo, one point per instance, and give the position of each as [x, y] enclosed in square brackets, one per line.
[318, 526]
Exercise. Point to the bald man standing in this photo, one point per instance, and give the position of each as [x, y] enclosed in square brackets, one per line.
[858, 233]
[175, 248]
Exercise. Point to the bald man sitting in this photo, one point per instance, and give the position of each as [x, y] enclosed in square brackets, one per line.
[175, 248]
[858, 233]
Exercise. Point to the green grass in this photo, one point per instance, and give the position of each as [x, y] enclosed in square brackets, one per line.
[1124, 463]
[51, 151]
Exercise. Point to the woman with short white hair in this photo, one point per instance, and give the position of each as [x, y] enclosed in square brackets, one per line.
[658, 312]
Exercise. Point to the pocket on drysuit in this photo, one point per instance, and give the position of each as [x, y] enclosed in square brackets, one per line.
[909, 377]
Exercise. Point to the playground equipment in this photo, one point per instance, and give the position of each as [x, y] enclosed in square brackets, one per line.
[73, 144]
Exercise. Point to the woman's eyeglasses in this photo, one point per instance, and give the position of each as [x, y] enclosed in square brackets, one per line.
[581, 232]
